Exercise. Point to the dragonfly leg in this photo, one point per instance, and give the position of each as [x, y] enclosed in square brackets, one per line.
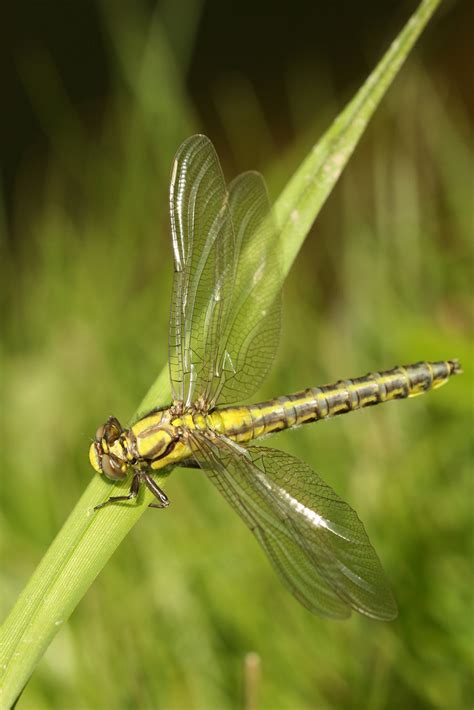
[132, 494]
[157, 492]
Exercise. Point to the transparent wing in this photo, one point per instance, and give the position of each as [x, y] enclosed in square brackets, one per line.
[204, 261]
[253, 329]
[225, 310]
[315, 541]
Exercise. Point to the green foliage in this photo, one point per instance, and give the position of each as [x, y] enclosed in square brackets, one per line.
[188, 593]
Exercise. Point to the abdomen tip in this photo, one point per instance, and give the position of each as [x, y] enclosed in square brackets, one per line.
[456, 368]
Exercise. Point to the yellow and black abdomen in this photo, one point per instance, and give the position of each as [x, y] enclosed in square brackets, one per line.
[245, 423]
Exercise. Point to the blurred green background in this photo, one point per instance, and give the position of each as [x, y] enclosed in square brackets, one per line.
[384, 278]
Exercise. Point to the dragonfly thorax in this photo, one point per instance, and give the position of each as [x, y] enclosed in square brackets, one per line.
[147, 444]
[154, 442]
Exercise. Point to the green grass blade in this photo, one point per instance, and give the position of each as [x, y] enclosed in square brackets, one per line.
[87, 540]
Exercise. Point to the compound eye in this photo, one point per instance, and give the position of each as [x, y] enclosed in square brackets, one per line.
[112, 468]
[111, 430]
[95, 456]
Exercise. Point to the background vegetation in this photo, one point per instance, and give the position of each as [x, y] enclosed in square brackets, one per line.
[384, 278]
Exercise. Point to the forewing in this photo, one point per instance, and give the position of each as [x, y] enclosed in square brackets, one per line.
[204, 263]
[252, 331]
[313, 538]
[225, 306]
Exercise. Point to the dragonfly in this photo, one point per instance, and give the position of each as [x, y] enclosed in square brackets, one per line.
[223, 334]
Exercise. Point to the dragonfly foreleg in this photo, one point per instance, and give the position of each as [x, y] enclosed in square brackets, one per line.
[134, 488]
[157, 492]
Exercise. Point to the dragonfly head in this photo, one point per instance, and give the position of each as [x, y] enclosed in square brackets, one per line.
[108, 452]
